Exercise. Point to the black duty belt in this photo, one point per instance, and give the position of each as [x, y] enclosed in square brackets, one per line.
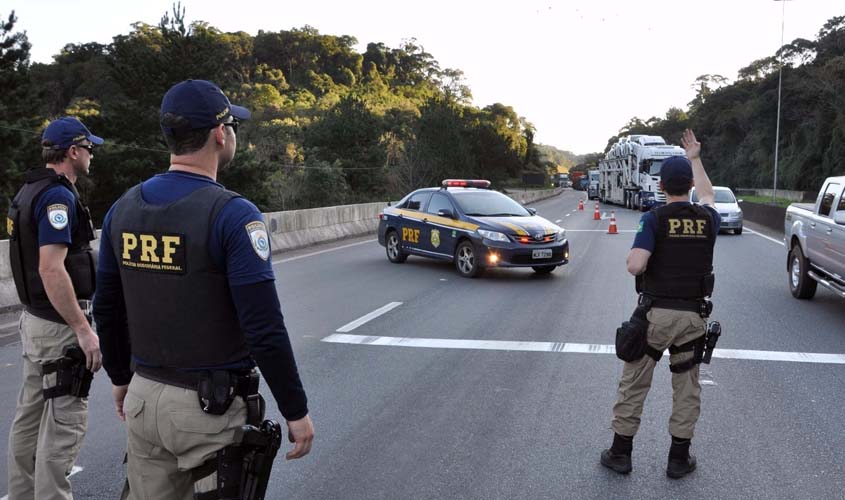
[692, 305]
[191, 379]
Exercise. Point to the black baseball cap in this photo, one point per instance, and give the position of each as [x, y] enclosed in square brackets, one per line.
[676, 171]
[196, 104]
[67, 131]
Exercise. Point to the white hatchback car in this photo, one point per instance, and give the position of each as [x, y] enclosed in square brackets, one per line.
[728, 207]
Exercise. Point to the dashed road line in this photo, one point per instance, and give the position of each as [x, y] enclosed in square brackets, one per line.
[764, 236]
[368, 317]
[599, 230]
[558, 347]
[312, 254]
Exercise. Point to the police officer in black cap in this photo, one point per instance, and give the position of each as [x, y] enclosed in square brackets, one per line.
[53, 267]
[672, 260]
[186, 307]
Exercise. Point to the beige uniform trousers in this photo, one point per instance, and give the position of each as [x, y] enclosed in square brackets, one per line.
[46, 435]
[168, 435]
[666, 327]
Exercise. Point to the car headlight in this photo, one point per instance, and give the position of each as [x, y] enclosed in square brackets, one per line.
[493, 235]
[561, 235]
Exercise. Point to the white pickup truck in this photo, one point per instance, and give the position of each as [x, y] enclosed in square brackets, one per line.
[815, 237]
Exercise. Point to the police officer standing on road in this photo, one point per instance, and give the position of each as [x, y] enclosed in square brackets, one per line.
[672, 260]
[53, 267]
[187, 301]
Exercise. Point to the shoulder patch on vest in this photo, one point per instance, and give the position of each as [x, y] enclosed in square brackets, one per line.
[257, 232]
[57, 215]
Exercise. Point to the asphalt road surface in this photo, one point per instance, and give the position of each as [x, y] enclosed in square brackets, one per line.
[502, 387]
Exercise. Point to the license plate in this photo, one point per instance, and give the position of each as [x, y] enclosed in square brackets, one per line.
[543, 253]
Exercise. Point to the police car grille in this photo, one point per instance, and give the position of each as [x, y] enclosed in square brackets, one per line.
[529, 240]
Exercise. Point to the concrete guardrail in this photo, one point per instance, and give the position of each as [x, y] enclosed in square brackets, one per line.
[770, 216]
[289, 230]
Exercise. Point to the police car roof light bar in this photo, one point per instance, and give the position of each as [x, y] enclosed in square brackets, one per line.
[467, 183]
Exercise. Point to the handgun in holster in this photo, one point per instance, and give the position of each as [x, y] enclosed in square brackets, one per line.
[243, 468]
[714, 331]
[72, 376]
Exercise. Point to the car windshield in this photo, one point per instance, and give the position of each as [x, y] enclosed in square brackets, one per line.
[654, 167]
[722, 196]
[488, 204]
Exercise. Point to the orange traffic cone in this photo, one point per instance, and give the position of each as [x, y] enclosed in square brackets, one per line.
[580, 204]
[612, 228]
[597, 214]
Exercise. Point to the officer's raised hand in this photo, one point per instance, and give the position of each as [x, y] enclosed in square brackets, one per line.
[300, 432]
[691, 145]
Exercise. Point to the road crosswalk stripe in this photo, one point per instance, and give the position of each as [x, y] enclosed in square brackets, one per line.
[569, 347]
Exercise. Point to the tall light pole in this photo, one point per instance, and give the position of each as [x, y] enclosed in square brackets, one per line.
[780, 80]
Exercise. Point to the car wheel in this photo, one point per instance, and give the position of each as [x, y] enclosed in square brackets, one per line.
[543, 269]
[466, 261]
[801, 284]
[394, 248]
[738, 230]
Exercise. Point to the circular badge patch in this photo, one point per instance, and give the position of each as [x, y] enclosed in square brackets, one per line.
[57, 216]
[257, 232]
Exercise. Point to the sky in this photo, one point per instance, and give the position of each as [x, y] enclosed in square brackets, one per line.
[577, 69]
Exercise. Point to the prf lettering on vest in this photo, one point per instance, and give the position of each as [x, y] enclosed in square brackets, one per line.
[411, 235]
[153, 252]
[687, 228]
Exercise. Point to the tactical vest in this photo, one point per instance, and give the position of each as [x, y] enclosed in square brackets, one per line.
[22, 225]
[179, 308]
[681, 266]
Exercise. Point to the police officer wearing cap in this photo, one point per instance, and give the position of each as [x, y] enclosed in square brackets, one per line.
[672, 260]
[53, 267]
[187, 305]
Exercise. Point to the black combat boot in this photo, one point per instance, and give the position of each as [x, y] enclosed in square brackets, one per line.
[618, 456]
[681, 462]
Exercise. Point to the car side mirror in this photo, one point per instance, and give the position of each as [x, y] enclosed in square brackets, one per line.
[532, 211]
[839, 217]
[445, 213]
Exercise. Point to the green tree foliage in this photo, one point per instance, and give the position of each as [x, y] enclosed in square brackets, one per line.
[330, 125]
[736, 122]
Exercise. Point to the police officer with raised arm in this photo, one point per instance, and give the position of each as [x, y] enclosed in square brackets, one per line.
[53, 267]
[672, 260]
[186, 307]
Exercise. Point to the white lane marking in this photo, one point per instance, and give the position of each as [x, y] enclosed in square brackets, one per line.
[368, 317]
[73, 471]
[706, 376]
[568, 215]
[559, 220]
[568, 347]
[599, 230]
[290, 259]
[764, 236]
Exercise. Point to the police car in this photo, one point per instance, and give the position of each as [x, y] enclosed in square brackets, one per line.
[465, 222]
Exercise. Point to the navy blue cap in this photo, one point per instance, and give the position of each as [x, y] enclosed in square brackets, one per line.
[200, 104]
[67, 131]
[676, 171]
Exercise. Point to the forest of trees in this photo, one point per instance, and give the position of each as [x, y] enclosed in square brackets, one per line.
[330, 125]
[334, 126]
[736, 122]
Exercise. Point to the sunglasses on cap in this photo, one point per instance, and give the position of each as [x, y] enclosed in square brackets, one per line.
[233, 124]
